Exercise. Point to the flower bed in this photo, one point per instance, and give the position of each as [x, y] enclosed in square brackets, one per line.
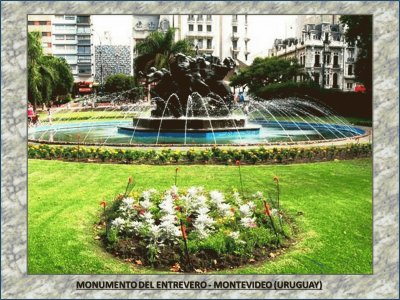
[194, 230]
[210, 155]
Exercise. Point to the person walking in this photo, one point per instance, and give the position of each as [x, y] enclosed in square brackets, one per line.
[241, 98]
[49, 116]
[31, 114]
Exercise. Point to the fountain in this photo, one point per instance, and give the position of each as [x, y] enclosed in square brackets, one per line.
[192, 105]
[191, 99]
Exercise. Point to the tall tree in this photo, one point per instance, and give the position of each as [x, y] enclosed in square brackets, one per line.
[119, 83]
[359, 32]
[48, 77]
[265, 71]
[157, 49]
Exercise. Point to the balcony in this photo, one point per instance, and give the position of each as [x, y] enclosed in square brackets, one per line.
[350, 60]
[246, 39]
[201, 34]
[247, 52]
[336, 66]
[208, 50]
[81, 20]
[317, 65]
[234, 36]
[84, 42]
[84, 60]
[235, 49]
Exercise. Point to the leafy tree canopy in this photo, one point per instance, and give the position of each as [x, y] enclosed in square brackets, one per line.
[157, 49]
[359, 32]
[119, 83]
[265, 71]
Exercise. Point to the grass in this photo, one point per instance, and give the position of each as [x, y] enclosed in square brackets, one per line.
[76, 116]
[331, 201]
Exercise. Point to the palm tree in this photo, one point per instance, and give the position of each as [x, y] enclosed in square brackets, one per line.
[41, 76]
[157, 49]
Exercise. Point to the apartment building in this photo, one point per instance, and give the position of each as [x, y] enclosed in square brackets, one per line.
[219, 35]
[72, 40]
[42, 24]
[323, 54]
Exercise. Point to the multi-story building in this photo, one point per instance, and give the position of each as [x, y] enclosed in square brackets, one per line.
[72, 40]
[42, 24]
[219, 35]
[112, 59]
[323, 54]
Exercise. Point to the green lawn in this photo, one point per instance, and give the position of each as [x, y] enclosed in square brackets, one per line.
[77, 116]
[334, 198]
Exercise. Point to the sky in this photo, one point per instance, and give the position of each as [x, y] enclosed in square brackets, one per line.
[262, 29]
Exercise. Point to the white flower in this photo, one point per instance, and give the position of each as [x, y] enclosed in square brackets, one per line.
[118, 223]
[258, 195]
[168, 227]
[148, 218]
[225, 210]
[251, 205]
[234, 234]
[192, 191]
[236, 198]
[203, 224]
[216, 197]
[134, 226]
[248, 222]
[245, 210]
[274, 211]
[128, 202]
[146, 204]
[167, 205]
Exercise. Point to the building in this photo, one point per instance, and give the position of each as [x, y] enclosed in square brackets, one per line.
[323, 54]
[112, 59]
[72, 40]
[219, 35]
[42, 24]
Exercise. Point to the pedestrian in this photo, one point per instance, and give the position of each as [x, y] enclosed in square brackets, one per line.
[49, 115]
[241, 97]
[31, 113]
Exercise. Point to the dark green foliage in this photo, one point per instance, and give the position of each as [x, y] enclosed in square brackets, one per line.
[265, 71]
[119, 83]
[359, 32]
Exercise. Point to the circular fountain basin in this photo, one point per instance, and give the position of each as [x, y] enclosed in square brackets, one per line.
[113, 133]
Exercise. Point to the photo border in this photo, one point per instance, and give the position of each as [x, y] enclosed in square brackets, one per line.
[15, 283]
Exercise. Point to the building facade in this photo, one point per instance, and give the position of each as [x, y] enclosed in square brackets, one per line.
[72, 40]
[42, 24]
[110, 60]
[219, 35]
[323, 54]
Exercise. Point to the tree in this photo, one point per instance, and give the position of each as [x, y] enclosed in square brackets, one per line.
[265, 71]
[157, 49]
[48, 76]
[359, 32]
[119, 83]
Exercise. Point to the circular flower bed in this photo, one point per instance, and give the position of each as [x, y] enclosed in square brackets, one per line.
[194, 230]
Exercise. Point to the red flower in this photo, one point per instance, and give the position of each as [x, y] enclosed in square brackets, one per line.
[141, 212]
[103, 204]
[188, 219]
[178, 208]
[267, 209]
[276, 179]
[183, 229]
[238, 162]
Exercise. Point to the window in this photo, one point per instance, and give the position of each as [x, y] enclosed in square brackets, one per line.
[326, 36]
[70, 47]
[209, 17]
[46, 34]
[327, 59]
[190, 27]
[200, 44]
[317, 59]
[84, 70]
[71, 18]
[191, 18]
[209, 43]
[234, 18]
[336, 60]
[59, 37]
[199, 27]
[83, 49]
[199, 17]
[209, 28]
[83, 29]
[316, 77]
[83, 19]
[70, 37]
[234, 28]
[31, 23]
[59, 17]
[349, 86]
[83, 37]
[234, 44]
[327, 79]
[350, 70]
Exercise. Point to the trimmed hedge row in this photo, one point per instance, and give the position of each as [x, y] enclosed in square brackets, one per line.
[210, 155]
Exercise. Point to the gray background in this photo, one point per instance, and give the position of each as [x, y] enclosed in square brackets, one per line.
[17, 284]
